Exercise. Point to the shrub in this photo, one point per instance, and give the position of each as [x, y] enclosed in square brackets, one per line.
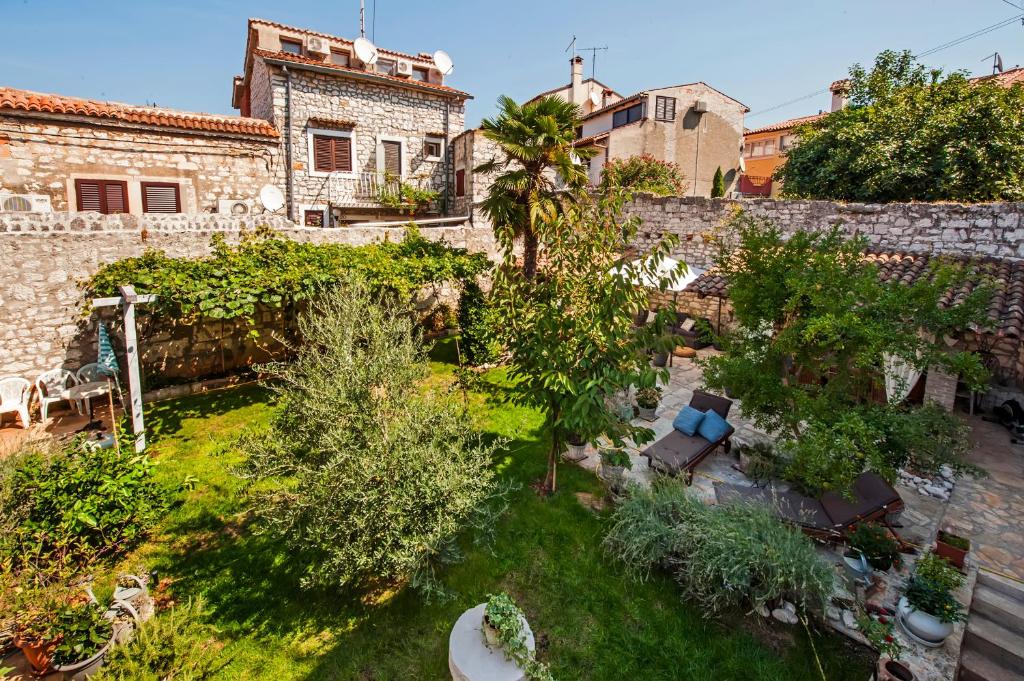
[644, 173]
[937, 570]
[76, 504]
[366, 480]
[617, 458]
[873, 540]
[723, 557]
[718, 184]
[173, 645]
[933, 598]
[648, 398]
[762, 463]
[478, 320]
[73, 626]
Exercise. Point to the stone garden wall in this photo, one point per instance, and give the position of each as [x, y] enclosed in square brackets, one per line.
[45, 256]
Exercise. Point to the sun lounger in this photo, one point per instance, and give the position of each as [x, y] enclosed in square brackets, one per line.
[680, 453]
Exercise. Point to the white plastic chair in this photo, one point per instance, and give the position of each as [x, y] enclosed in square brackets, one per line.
[94, 373]
[14, 394]
[51, 385]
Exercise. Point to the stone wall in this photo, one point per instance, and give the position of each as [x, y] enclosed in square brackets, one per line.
[42, 322]
[986, 229]
[46, 157]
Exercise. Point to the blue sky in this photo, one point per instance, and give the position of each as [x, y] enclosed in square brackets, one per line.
[183, 53]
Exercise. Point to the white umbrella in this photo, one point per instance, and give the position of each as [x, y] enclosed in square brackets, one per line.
[684, 275]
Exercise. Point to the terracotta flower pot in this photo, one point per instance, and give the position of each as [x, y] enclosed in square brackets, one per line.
[39, 654]
[956, 556]
[898, 672]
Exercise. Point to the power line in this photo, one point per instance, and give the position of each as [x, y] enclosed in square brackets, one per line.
[945, 46]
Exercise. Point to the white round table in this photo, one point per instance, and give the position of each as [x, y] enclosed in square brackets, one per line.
[469, 658]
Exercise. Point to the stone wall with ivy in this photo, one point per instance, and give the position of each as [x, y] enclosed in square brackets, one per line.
[46, 257]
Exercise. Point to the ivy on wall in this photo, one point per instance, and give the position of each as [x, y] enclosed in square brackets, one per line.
[267, 270]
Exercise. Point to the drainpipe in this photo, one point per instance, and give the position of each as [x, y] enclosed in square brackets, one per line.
[447, 156]
[289, 189]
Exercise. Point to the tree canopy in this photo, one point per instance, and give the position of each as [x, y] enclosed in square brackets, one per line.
[645, 174]
[912, 134]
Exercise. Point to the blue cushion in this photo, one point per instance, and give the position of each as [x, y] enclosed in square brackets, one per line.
[713, 427]
[688, 420]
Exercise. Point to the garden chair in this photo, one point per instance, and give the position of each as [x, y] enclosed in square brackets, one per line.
[678, 452]
[51, 386]
[95, 373]
[14, 395]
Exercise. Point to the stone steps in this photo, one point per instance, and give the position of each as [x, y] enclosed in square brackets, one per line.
[993, 646]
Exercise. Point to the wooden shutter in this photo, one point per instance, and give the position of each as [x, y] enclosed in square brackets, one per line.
[332, 154]
[392, 157]
[160, 197]
[460, 183]
[342, 154]
[89, 194]
[665, 108]
[103, 196]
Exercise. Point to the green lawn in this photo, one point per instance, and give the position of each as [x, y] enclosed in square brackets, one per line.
[592, 622]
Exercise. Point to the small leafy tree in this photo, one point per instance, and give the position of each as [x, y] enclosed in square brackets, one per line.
[718, 184]
[912, 134]
[569, 332]
[364, 477]
[815, 323]
[478, 322]
[644, 174]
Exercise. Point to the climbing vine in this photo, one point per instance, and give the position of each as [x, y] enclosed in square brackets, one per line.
[267, 270]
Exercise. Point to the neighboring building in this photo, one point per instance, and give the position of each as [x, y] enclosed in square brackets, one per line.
[346, 125]
[590, 94]
[69, 154]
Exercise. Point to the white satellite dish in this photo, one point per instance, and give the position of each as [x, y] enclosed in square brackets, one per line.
[443, 62]
[366, 51]
[595, 99]
[271, 198]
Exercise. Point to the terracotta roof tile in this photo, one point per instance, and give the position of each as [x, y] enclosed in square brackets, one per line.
[1005, 310]
[1007, 78]
[347, 41]
[786, 124]
[25, 100]
[407, 82]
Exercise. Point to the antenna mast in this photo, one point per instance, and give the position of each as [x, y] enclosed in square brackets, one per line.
[362, 18]
[593, 57]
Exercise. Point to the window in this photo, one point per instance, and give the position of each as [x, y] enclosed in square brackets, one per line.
[579, 132]
[665, 108]
[102, 196]
[291, 46]
[161, 197]
[747, 148]
[786, 141]
[340, 57]
[392, 158]
[432, 149]
[627, 116]
[769, 147]
[332, 154]
[313, 218]
[386, 66]
[460, 182]
[421, 74]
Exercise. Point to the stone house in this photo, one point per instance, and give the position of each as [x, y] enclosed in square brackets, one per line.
[348, 126]
[68, 154]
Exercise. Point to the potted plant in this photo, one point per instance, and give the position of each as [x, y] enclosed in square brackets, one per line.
[952, 547]
[576, 447]
[872, 540]
[505, 621]
[614, 464]
[647, 400]
[64, 635]
[927, 611]
[878, 630]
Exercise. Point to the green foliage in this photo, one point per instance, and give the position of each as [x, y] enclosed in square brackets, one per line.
[723, 557]
[616, 457]
[364, 478]
[879, 631]
[478, 321]
[815, 323]
[763, 463]
[172, 645]
[538, 162]
[912, 134]
[394, 193]
[505, 616]
[569, 333]
[644, 174]
[265, 270]
[718, 184]
[648, 397]
[75, 628]
[62, 507]
[956, 541]
[933, 598]
[874, 541]
[936, 569]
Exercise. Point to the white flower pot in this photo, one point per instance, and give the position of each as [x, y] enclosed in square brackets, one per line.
[575, 452]
[926, 629]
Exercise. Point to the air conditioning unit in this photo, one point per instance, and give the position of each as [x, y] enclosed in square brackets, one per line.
[235, 206]
[315, 45]
[25, 203]
[403, 68]
[700, 106]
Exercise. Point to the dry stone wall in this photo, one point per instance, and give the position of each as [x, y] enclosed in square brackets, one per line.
[45, 256]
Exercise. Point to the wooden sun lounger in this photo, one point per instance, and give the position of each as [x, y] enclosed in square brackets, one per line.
[679, 453]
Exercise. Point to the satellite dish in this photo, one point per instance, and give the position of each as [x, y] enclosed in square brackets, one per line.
[595, 99]
[443, 62]
[366, 51]
[271, 198]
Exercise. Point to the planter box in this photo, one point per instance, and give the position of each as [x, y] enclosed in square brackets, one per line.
[956, 556]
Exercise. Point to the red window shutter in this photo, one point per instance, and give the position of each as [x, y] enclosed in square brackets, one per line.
[392, 158]
[343, 154]
[460, 183]
[89, 195]
[160, 197]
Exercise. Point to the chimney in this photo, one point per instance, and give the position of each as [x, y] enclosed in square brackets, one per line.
[576, 93]
[840, 94]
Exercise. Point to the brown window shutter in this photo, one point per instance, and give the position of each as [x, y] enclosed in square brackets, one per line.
[460, 183]
[89, 195]
[323, 153]
[160, 197]
[343, 154]
[103, 196]
[116, 195]
[393, 158]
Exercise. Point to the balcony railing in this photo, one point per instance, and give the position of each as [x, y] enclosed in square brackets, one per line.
[362, 189]
[755, 185]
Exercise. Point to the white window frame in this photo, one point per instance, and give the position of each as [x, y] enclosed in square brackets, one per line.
[440, 144]
[380, 154]
[317, 208]
[311, 160]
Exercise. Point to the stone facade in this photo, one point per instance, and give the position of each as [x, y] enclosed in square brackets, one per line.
[469, 151]
[42, 154]
[45, 256]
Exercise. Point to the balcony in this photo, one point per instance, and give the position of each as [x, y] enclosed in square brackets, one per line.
[755, 185]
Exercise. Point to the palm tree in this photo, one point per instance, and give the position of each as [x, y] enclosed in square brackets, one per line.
[541, 168]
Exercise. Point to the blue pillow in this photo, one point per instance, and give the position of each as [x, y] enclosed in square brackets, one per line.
[713, 427]
[688, 420]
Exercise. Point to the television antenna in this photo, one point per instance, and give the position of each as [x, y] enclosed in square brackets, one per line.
[997, 62]
[593, 58]
[572, 46]
[362, 18]
[443, 62]
[366, 51]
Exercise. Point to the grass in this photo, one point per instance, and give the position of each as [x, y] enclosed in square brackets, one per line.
[592, 622]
